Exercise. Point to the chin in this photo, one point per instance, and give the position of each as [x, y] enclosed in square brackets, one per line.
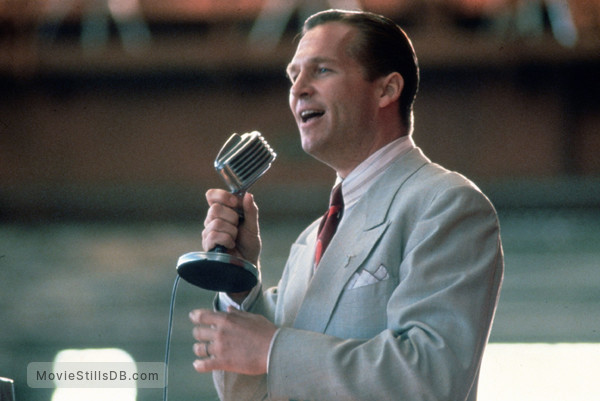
[307, 149]
[305, 142]
[315, 152]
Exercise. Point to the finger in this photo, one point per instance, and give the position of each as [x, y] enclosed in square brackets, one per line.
[222, 213]
[221, 196]
[206, 365]
[220, 227]
[205, 317]
[250, 213]
[217, 232]
[204, 349]
[203, 333]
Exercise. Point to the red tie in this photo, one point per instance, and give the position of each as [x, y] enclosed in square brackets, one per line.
[329, 222]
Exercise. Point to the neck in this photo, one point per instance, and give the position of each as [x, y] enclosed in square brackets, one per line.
[348, 163]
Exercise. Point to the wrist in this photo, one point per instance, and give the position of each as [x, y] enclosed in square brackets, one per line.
[238, 297]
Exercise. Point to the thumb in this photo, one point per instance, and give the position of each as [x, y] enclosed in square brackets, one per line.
[250, 213]
[248, 239]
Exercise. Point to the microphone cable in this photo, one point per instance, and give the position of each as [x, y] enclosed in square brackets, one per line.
[170, 328]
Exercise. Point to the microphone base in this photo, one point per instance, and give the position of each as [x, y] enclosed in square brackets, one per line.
[217, 271]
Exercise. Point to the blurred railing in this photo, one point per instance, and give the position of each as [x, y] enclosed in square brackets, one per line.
[28, 28]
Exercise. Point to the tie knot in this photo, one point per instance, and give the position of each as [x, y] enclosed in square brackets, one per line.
[336, 199]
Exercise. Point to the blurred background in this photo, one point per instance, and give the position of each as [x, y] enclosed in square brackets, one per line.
[112, 112]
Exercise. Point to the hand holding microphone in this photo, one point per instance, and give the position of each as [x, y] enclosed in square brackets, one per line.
[225, 228]
[240, 162]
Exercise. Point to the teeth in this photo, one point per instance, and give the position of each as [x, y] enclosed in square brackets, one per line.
[308, 114]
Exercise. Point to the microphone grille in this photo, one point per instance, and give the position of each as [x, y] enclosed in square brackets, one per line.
[243, 159]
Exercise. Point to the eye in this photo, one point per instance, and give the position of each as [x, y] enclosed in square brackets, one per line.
[323, 70]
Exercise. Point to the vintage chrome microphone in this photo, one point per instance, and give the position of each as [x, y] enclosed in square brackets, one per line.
[240, 162]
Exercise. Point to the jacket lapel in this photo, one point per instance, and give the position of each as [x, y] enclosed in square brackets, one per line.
[351, 246]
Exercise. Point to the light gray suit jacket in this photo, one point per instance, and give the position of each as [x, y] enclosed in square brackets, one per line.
[401, 305]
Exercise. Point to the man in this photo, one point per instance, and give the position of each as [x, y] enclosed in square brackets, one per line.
[400, 303]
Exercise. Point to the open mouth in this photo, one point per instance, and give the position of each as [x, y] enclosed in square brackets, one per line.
[308, 115]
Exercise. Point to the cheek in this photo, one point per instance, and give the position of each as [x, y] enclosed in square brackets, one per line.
[292, 100]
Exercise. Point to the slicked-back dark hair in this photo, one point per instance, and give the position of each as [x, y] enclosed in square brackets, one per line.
[381, 47]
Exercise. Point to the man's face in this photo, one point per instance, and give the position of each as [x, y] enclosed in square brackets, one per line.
[332, 102]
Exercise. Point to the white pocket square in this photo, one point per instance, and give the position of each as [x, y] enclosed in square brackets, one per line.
[364, 277]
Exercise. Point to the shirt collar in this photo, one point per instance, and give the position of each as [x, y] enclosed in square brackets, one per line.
[357, 183]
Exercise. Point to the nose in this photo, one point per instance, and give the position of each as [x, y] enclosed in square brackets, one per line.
[302, 86]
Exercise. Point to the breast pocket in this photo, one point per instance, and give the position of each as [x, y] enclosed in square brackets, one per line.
[364, 277]
[361, 312]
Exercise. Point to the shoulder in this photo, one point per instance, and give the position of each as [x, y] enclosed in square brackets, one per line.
[427, 178]
[435, 183]
[428, 185]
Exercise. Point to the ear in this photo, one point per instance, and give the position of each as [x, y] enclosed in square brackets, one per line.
[391, 88]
